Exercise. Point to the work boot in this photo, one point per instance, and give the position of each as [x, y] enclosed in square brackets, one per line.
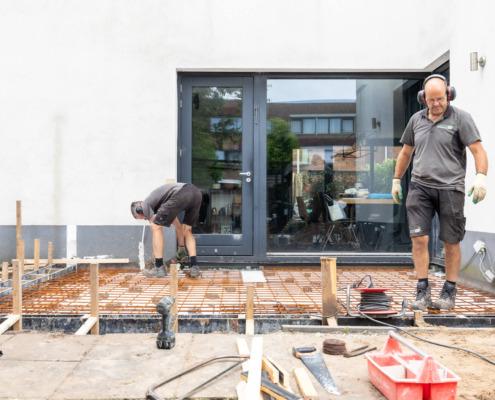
[193, 271]
[446, 301]
[155, 272]
[423, 297]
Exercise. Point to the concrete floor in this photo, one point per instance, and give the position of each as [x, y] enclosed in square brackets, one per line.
[123, 366]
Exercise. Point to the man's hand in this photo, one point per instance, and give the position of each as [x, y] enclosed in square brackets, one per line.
[396, 191]
[478, 190]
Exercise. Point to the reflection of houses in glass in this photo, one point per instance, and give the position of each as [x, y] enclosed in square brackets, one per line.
[326, 134]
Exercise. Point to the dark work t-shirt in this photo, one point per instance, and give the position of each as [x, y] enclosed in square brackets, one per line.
[440, 147]
[159, 196]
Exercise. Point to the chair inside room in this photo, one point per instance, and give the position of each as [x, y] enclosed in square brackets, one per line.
[341, 229]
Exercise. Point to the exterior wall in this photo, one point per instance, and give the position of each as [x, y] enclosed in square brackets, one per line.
[88, 95]
[475, 92]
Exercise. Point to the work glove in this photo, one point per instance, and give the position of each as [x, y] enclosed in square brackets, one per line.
[478, 190]
[396, 191]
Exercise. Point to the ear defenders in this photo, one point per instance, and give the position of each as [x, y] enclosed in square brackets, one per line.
[451, 92]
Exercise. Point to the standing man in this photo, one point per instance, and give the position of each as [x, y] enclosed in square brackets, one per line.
[161, 208]
[438, 137]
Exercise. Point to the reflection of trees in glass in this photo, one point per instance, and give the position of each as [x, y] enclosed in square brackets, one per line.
[280, 142]
[216, 114]
[384, 173]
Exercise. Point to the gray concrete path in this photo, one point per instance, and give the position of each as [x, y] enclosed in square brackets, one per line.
[123, 366]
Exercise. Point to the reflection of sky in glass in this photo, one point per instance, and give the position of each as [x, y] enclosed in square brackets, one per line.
[299, 90]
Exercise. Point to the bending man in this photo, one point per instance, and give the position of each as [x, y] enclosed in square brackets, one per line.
[438, 136]
[161, 208]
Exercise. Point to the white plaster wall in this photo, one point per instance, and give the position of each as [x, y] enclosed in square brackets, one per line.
[88, 109]
[475, 95]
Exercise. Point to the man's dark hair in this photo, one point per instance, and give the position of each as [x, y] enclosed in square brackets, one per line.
[137, 208]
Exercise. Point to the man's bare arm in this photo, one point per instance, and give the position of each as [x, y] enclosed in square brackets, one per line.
[480, 158]
[403, 160]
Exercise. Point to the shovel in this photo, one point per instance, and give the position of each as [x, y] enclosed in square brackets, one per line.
[314, 361]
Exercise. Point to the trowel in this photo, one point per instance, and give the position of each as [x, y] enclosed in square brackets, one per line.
[313, 360]
[141, 250]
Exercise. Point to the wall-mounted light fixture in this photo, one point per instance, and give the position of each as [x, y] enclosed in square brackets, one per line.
[375, 123]
[475, 61]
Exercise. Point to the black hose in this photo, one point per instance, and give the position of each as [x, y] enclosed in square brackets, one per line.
[472, 353]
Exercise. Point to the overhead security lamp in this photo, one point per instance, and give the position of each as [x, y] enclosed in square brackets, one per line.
[475, 61]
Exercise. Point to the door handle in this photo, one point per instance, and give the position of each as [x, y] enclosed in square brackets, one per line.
[247, 173]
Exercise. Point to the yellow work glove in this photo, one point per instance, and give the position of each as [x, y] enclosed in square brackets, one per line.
[478, 190]
[396, 191]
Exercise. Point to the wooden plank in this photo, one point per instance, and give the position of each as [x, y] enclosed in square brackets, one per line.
[17, 294]
[250, 310]
[9, 322]
[254, 375]
[276, 392]
[328, 286]
[240, 389]
[18, 225]
[242, 347]
[36, 254]
[272, 372]
[88, 325]
[49, 260]
[79, 260]
[283, 374]
[5, 271]
[174, 290]
[253, 277]
[306, 388]
[95, 307]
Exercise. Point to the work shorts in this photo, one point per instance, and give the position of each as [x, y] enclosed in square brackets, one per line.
[187, 199]
[422, 202]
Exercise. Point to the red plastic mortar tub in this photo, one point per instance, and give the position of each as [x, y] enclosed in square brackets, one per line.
[401, 375]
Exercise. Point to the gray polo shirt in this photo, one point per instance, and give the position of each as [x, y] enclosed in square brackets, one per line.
[440, 147]
[159, 196]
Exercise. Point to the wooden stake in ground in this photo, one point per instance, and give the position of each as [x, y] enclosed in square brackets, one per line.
[17, 293]
[50, 254]
[95, 290]
[174, 290]
[5, 271]
[21, 256]
[328, 287]
[36, 255]
[92, 322]
[250, 310]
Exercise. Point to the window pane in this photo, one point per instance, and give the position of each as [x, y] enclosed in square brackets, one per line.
[348, 125]
[309, 125]
[216, 157]
[322, 125]
[335, 125]
[332, 192]
[296, 126]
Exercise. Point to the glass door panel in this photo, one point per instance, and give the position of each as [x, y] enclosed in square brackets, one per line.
[216, 156]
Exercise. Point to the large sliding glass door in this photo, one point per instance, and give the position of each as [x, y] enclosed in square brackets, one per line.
[295, 165]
